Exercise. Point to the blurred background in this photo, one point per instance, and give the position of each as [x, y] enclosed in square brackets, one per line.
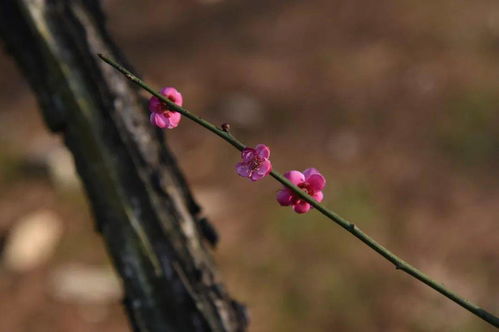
[395, 102]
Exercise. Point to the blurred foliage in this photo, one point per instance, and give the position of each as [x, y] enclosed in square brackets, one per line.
[470, 135]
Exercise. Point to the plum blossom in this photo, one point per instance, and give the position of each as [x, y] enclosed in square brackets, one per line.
[255, 164]
[161, 116]
[310, 181]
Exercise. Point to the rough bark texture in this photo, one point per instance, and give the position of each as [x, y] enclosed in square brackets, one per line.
[143, 208]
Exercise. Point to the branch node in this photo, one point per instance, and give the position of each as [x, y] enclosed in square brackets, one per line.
[209, 232]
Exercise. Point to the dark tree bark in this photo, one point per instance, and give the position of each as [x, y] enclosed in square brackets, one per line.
[152, 227]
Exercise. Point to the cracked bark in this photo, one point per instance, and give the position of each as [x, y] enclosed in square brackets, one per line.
[152, 227]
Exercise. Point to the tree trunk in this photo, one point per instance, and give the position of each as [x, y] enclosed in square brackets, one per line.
[142, 206]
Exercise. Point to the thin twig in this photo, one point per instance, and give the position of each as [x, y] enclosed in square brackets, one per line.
[350, 227]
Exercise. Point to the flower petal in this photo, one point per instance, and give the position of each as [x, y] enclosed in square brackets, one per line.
[301, 207]
[248, 154]
[263, 151]
[159, 120]
[309, 171]
[173, 119]
[264, 168]
[316, 182]
[243, 169]
[173, 95]
[284, 197]
[295, 177]
[318, 196]
[155, 105]
[255, 176]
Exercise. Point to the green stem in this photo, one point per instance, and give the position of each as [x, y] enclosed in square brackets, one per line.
[350, 227]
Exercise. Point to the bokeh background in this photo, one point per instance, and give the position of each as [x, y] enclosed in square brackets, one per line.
[396, 102]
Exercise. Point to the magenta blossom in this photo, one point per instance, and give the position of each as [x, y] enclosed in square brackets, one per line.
[256, 163]
[310, 181]
[161, 116]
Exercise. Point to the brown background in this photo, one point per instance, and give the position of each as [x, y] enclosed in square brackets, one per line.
[396, 102]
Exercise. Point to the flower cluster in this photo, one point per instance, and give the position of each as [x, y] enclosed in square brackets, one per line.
[255, 163]
[161, 116]
[310, 181]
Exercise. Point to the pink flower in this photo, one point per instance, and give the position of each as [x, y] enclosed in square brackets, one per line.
[160, 115]
[256, 163]
[310, 181]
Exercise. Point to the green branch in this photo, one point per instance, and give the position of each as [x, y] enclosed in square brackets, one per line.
[350, 227]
